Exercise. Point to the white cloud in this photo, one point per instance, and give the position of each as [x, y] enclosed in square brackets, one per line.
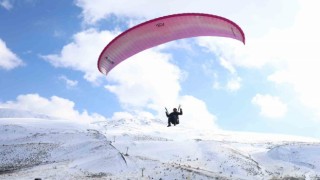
[8, 60]
[234, 81]
[82, 54]
[298, 50]
[6, 4]
[55, 106]
[145, 80]
[70, 83]
[233, 54]
[234, 84]
[226, 64]
[216, 84]
[270, 106]
[195, 114]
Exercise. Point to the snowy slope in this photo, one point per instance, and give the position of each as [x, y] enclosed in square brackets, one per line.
[33, 146]
[40, 147]
[207, 154]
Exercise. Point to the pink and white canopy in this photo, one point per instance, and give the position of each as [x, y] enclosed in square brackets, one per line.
[162, 30]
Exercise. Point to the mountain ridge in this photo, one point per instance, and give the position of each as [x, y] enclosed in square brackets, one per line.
[146, 149]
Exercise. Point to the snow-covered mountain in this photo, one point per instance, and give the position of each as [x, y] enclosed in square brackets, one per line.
[42, 147]
[13, 113]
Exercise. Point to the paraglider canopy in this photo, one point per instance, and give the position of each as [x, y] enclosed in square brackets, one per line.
[164, 29]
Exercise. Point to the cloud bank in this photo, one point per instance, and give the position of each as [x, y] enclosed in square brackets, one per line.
[54, 106]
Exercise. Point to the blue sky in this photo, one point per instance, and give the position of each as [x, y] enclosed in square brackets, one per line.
[49, 52]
